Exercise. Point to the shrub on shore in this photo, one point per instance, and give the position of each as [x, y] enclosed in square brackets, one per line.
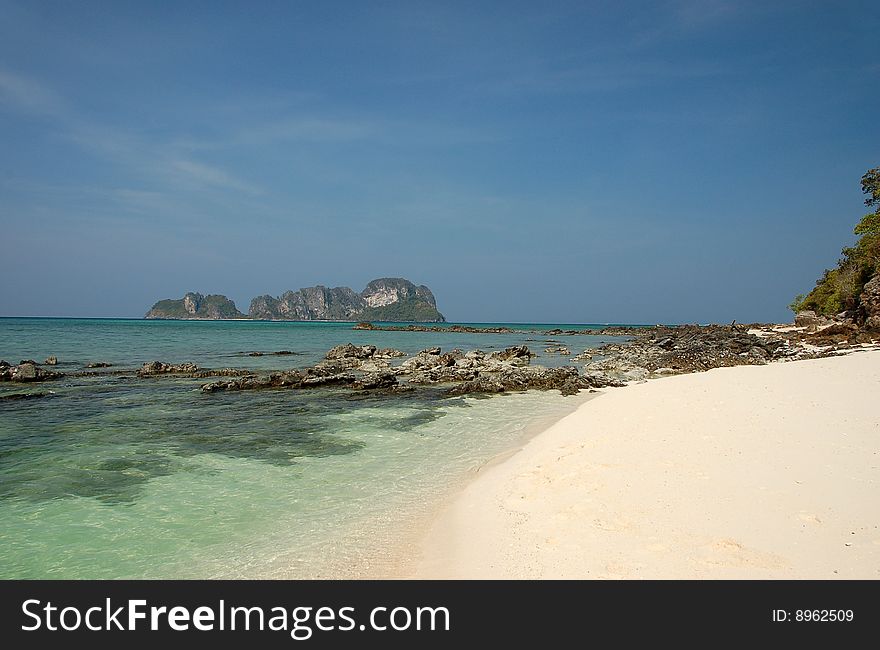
[839, 289]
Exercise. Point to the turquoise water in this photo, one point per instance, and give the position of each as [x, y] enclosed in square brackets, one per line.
[112, 476]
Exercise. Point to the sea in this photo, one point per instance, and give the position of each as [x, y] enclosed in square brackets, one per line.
[113, 476]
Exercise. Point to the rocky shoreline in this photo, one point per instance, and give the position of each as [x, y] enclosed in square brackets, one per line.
[650, 352]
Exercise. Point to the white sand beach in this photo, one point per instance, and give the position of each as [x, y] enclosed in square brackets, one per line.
[749, 472]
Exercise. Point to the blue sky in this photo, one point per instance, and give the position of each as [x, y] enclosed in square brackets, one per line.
[557, 162]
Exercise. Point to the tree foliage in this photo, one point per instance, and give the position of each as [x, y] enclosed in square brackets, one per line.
[839, 289]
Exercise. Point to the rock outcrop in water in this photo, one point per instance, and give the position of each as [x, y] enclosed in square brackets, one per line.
[367, 367]
[26, 371]
[385, 299]
[160, 368]
[195, 306]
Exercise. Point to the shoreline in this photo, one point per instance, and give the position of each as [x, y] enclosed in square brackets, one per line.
[398, 561]
[747, 472]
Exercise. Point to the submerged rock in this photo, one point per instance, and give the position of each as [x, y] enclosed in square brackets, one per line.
[18, 397]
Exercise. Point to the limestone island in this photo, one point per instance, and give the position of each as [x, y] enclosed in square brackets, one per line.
[195, 306]
[384, 299]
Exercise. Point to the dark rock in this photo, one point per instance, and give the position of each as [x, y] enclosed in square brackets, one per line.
[374, 380]
[565, 379]
[27, 372]
[219, 372]
[844, 328]
[481, 384]
[319, 380]
[517, 354]
[440, 374]
[599, 379]
[810, 319]
[255, 354]
[570, 387]
[287, 379]
[870, 304]
[586, 355]
[388, 353]
[458, 329]
[336, 366]
[351, 351]
[283, 353]
[684, 348]
[99, 364]
[153, 368]
[834, 334]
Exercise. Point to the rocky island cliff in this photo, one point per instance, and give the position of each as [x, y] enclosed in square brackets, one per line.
[384, 299]
[195, 306]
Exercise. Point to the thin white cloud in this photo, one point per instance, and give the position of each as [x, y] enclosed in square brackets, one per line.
[601, 77]
[697, 14]
[147, 158]
[209, 175]
[309, 129]
[28, 95]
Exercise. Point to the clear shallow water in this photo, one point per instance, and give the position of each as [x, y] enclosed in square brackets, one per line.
[114, 476]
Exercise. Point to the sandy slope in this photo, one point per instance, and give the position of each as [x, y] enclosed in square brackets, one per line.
[750, 472]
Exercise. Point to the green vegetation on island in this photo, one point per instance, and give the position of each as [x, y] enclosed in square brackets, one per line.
[842, 289]
[410, 310]
[195, 306]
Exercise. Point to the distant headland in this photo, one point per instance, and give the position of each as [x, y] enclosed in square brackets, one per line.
[384, 299]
